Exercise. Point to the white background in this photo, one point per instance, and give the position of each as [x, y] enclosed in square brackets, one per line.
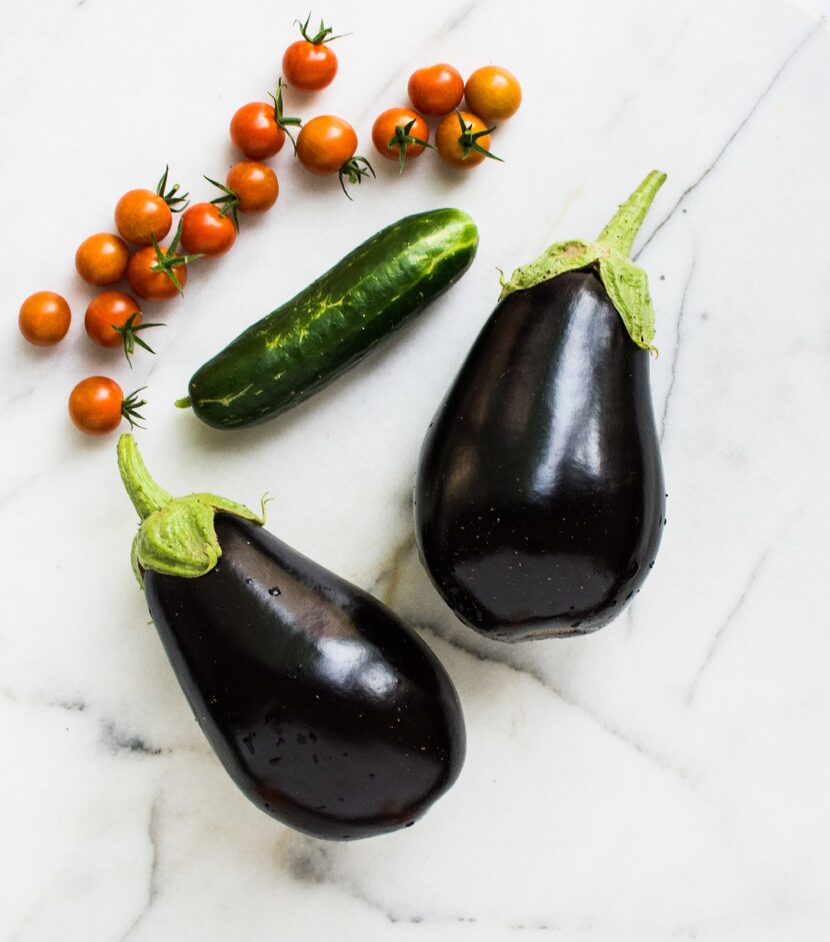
[664, 779]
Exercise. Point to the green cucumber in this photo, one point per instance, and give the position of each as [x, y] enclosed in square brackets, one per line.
[329, 326]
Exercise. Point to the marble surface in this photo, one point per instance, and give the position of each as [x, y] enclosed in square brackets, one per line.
[666, 778]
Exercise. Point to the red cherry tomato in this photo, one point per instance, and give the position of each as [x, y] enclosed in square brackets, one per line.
[206, 231]
[493, 93]
[44, 318]
[105, 312]
[255, 186]
[97, 405]
[255, 131]
[150, 284]
[400, 133]
[309, 63]
[309, 66]
[437, 89]
[101, 259]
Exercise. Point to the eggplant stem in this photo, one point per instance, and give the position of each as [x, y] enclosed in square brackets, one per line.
[620, 233]
[146, 495]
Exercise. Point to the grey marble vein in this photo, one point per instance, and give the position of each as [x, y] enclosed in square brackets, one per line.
[719, 634]
[153, 885]
[790, 58]
[391, 574]
[678, 336]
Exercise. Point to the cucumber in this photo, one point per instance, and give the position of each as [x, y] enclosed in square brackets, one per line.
[333, 323]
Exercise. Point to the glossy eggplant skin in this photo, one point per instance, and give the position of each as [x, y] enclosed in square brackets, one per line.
[539, 501]
[329, 713]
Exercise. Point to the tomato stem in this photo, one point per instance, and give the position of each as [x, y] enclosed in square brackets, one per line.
[175, 202]
[354, 169]
[321, 36]
[469, 139]
[402, 137]
[282, 121]
[229, 201]
[167, 260]
[129, 335]
[130, 407]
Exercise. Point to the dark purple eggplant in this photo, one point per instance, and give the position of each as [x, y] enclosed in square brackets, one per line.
[327, 711]
[539, 500]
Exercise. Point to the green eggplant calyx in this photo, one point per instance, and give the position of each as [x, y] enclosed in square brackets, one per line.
[176, 536]
[625, 282]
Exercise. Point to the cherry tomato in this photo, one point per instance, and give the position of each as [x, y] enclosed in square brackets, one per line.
[309, 66]
[493, 93]
[399, 133]
[149, 284]
[255, 132]
[255, 186]
[97, 405]
[309, 63]
[325, 144]
[105, 312]
[463, 139]
[206, 231]
[142, 214]
[101, 259]
[44, 318]
[437, 89]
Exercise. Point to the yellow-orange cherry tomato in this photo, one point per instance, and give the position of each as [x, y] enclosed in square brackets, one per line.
[493, 93]
[450, 138]
[44, 318]
[436, 89]
[101, 259]
[97, 405]
[105, 312]
[391, 137]
[255, 185]
[255, 132]
[325, 144]
[149, 284]
[142, 214]
[206, 231]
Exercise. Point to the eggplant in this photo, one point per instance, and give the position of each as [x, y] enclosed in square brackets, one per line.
[539, 497]
[329, 713]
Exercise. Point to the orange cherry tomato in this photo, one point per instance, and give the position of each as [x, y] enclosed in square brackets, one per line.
[493, 93]
[44, 318]
[437, 89]
[325, 144]
[463, 145]
[309, 63]
[105, 312]
[97, 405]
[255, 186]
[101, 259]
[255, 132]
[400, 133]
[206, 231]
[142, 214]
[149, 284]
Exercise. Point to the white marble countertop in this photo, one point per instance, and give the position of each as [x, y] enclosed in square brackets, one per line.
[666, 778]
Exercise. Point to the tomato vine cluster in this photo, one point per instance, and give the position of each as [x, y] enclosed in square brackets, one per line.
[462, 138]
[324, 145]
